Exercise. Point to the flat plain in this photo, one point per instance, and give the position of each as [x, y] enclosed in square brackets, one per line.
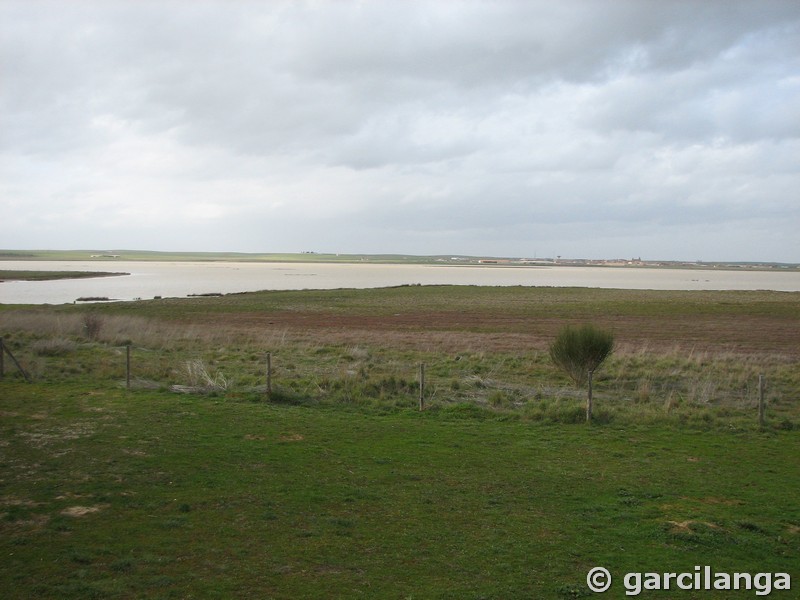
[197, 482]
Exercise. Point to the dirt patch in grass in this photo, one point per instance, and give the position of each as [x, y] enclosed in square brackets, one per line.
[34, 522]
[14, 501]
[686, 526]
[58, 434]
[80, 511]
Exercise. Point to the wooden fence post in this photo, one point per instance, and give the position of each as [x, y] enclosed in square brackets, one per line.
[2, 352]
[422, 386]
[4, 349]
[761, 407]
[589, 400]
[127, 366]
[269, 375]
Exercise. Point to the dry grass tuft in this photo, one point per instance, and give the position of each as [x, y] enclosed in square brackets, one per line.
[201, 380]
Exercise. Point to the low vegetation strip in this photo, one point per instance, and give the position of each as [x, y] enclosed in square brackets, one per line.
[16, 275]
[680, 357]
[508, 317]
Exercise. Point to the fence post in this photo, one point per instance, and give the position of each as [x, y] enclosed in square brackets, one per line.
[2, 352]
[4, 348]
[589, 400]
[761, 407]
[269, 375]
[127, 366]
[422, 386]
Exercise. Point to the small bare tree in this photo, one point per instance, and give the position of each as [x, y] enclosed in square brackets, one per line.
[92, 324]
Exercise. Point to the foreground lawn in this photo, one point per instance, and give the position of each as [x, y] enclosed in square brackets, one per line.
[150, 494]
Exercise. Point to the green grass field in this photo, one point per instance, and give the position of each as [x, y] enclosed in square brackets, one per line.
[339, 487]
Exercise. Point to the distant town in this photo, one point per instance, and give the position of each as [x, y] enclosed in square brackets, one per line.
[621, 262]
[560, 261]
[455, 259]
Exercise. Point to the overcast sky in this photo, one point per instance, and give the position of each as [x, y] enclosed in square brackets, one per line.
[586, 129]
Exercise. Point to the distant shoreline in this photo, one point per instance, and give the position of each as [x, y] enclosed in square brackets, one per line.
[101, 256]
[14, 275]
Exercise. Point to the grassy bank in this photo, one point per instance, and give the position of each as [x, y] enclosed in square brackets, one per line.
[19, 275]
[192, 484]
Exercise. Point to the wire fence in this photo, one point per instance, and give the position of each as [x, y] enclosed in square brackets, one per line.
[359, 375]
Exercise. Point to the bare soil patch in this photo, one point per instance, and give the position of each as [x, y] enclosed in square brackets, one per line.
[80, 511]
[497, 332]
[686, 526]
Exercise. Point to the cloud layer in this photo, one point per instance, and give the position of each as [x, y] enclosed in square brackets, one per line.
[579, 128]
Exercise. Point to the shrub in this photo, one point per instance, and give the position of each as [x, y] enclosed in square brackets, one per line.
[578, 350]
[92, 324]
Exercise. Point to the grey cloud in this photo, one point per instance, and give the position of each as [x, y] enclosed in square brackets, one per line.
[473, 124]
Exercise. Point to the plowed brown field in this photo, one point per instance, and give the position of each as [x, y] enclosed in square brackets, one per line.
[497, 332]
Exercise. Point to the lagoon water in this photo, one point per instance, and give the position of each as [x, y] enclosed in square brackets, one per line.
[179, 279]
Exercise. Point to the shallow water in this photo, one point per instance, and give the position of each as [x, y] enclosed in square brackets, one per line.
[180, 279]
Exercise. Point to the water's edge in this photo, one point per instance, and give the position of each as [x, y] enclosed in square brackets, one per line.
[149, 279]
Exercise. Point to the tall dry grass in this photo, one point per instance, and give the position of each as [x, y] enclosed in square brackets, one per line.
[118, 329]
[637, 382]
